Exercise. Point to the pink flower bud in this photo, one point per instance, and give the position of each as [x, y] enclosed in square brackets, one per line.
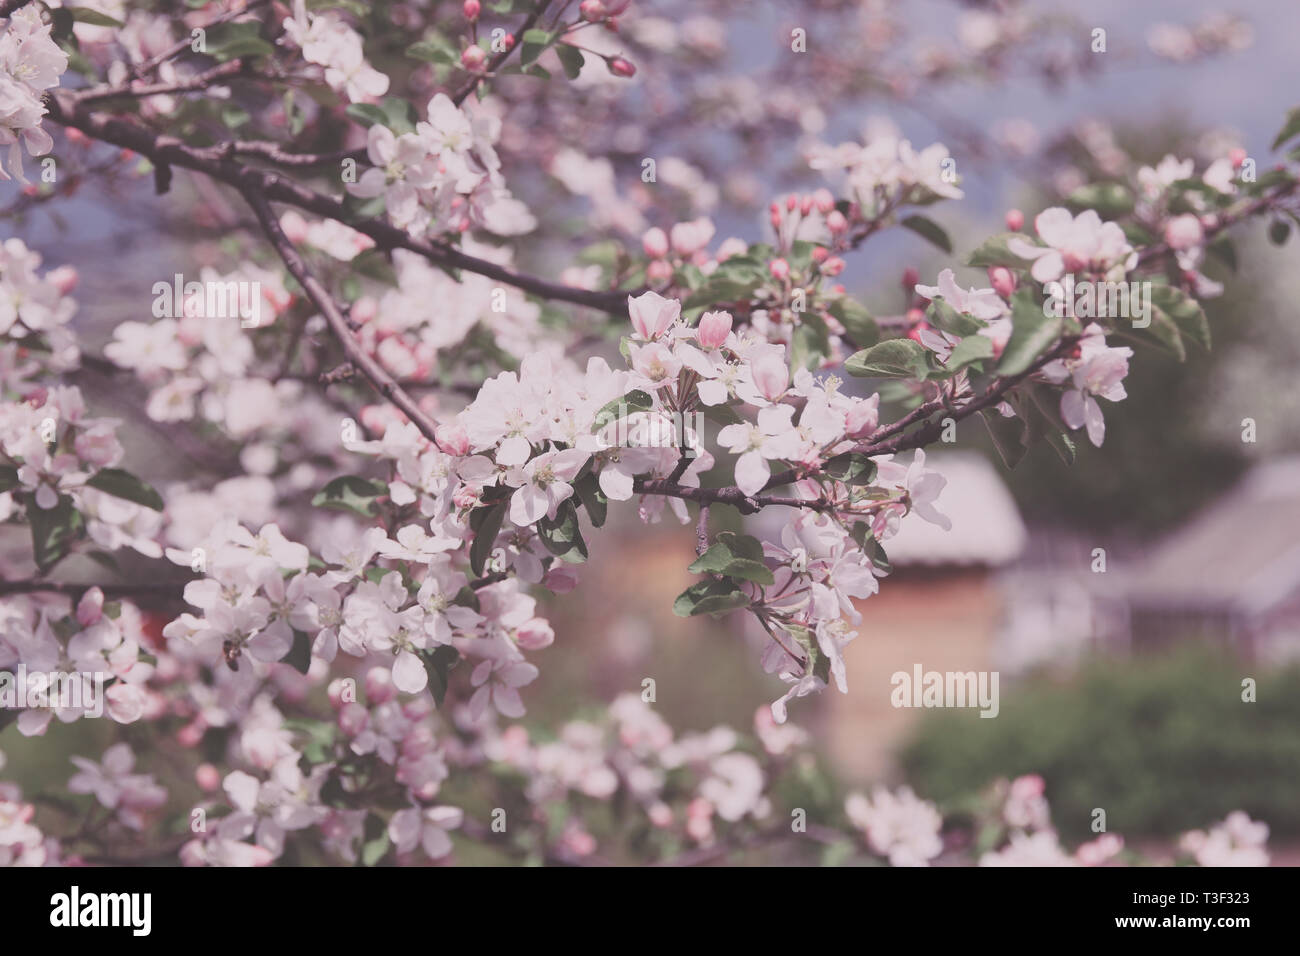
[1237, 157]
[379, 686]
[335, 693]
[207, 777]
[836, 222]
[820, 254]
[824, 201]
[64, 279]
[473, 58]
[535, 634]
[660, 270]
[620, 67]
[1184, 232]
[191, 734]
[689, 238]
[91, 607]
[791, 201]
[353, 719]
[471, 9]
[805, 205]
[1015, 220]
[713, 329]
[652, 314]
[1003, 281]
[592, 10]
[833, 266]
[910, 278]
[771, 374]
[452, 439]
[655, 243]
[779, 269]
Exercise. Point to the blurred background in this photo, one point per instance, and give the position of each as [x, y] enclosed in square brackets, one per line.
[1123, 600]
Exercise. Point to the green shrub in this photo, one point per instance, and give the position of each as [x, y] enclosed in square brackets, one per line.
[1163, 744]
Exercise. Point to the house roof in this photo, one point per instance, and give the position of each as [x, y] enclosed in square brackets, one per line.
[986, 526]
[1241, 554]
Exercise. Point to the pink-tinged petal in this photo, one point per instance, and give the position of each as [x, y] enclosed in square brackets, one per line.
[752, 472]
[1093, 419]
[404, 829]
[508, 701]
[1072, 408]
[712, 392]
[436, 843]
[1048, 267]
[514, 451]
[271, 644]
[409, 675]
[1054, 226]
[528, 505]
[242, 790]
[616, 484]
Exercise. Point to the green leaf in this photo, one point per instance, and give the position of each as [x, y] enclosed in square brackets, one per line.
[8, 478]
[486, 523]
[592, 498]
[634, 401]
[1008, 436]
[893, 358]
[1032, 333]
[1185, 312]
[710, 597]
[1108, 199]
[810, 343]
[122, 484]
[973, 348]
[928, 229]
[947, 319]
[236, 42]
[858, 323]
[299, 656]
[367, 114]
[53, 530]
[852, 468]
[438, 662]
[93, 17]
[571, 59]
[375, 841]
[562, 535]
[534, 43]
[434, 48]
[994, 252]
[1166, 334]
[737, 556]
[1290, 129]
[350, 493]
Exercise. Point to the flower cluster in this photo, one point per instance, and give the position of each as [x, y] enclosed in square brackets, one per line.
[443, 176]
[30, 63]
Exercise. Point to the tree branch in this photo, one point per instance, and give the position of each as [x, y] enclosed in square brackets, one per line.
[217, 163]
[324, 302]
